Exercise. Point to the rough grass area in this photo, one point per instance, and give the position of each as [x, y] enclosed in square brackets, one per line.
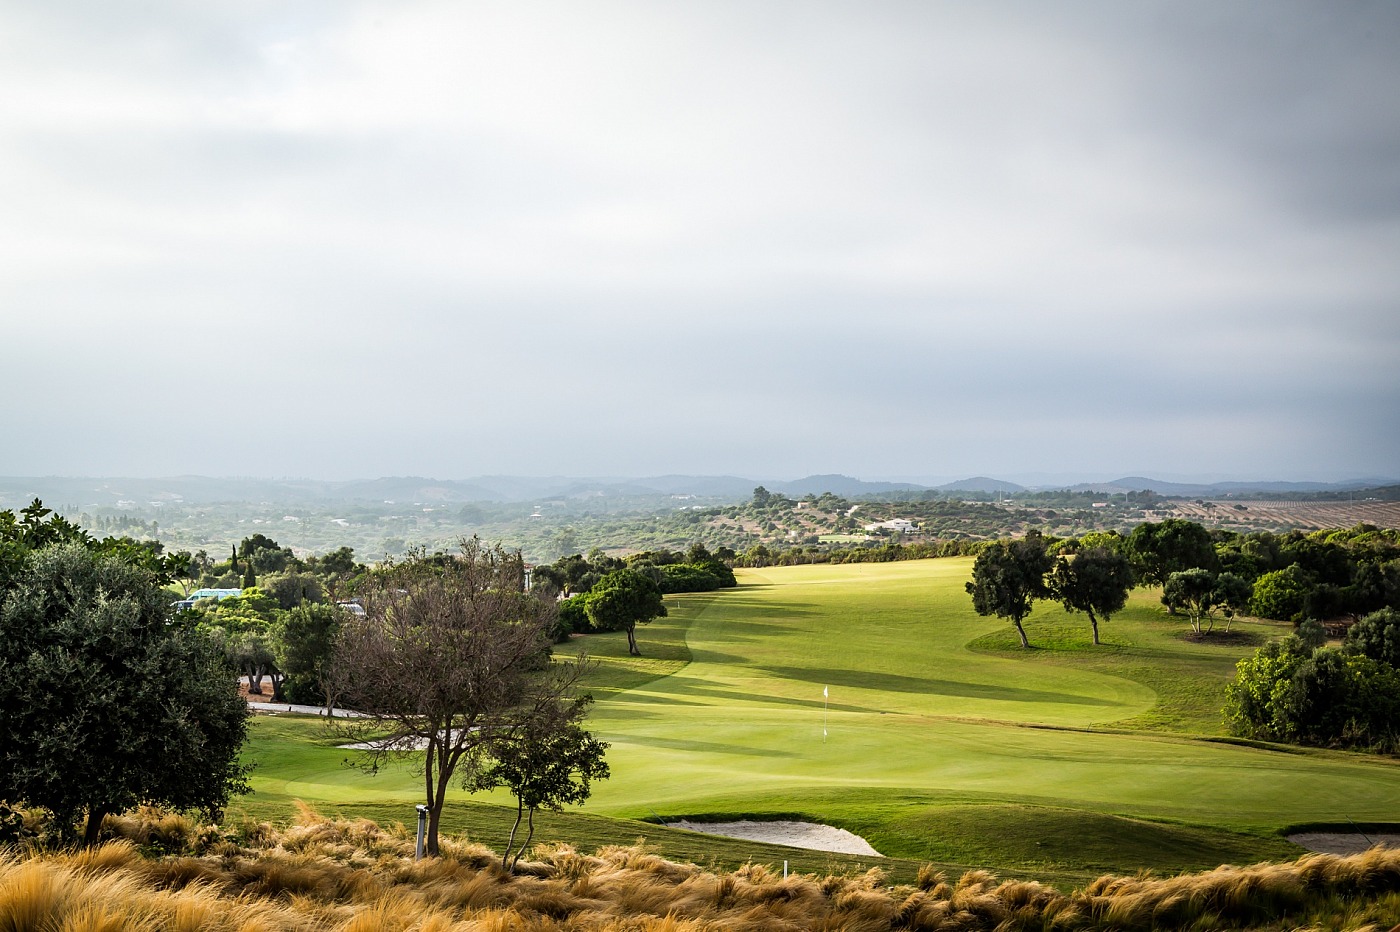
[1031, 840]
[354, 876]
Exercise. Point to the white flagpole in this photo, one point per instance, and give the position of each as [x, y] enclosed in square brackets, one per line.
[825, 695]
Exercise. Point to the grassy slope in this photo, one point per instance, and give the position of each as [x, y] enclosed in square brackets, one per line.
[944, 741]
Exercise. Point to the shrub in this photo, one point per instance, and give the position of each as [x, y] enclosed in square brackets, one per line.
[1377, 636]
[573, 618]
[1327, 697]
[1279, 595]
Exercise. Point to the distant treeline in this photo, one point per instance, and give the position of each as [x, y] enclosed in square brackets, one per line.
[584, 584]
[760, 555]
[1321, 575]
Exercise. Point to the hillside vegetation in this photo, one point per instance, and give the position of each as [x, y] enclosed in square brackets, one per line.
[556, 525]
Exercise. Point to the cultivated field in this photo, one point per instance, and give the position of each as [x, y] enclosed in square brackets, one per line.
[1285, 516]
[943, 742]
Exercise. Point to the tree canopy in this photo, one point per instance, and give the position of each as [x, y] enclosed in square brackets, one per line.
[1158, 550]
[1377, 636]
[622, 600]
[450, 655]
[1200, 594]
[110, 703]
[1288, 691]
[1095, 581]
[546, 761]
[1007, 578]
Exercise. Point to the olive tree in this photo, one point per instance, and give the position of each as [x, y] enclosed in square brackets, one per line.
[1160, 549]
[1200, 594]
[622, 600]
[1007, 578]
[1095, 581]
[450, 656]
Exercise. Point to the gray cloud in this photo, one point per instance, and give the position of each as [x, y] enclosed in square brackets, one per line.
[768, 239]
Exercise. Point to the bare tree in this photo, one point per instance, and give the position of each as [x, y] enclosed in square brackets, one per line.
[450, 656]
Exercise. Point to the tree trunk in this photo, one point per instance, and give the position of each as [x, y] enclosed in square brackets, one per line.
[510, 842]
[437, 791]
[632, 641]
[1025, 641]
[430, 838]
[529, 836]
[430, 844]
[94, 825]
[1094, 622]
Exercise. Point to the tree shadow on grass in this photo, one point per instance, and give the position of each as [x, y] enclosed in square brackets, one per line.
[702, 655]
[709, 747]
[735, 695]
[893, 682]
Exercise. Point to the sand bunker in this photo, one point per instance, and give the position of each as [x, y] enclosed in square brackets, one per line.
[811, 835]
[1344, 842]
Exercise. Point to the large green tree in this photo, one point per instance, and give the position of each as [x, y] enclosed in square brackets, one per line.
[1008, 577]
[1280, 594]
[622, 600]
[305, 648]
[1094, 581]
[1158, 550]
[108, 701]
[1191, 591]
[1200, 594]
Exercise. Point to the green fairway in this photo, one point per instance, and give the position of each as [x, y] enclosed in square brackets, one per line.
[938, 740]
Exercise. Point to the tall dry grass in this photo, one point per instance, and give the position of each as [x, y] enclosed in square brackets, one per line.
[166, 872]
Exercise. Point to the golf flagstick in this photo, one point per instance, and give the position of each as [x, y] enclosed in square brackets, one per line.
[825, 694]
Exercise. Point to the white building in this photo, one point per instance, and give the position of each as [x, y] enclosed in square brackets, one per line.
[897, 525]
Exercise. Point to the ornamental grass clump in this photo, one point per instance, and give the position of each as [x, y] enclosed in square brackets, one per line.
[338, 875]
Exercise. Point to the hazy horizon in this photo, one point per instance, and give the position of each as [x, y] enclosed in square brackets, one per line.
[361, 239]
[1032, 479]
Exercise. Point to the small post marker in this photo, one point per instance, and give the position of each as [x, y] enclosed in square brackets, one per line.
[422, 831]
[825, 694]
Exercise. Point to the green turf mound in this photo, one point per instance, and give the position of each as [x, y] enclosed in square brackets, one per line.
[1035, 838]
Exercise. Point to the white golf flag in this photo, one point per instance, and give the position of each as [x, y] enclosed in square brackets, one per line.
[824, 692]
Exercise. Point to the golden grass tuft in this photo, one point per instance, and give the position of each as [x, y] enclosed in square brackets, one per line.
[339, 875]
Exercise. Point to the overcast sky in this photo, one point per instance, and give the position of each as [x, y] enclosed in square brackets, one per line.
[916, 239]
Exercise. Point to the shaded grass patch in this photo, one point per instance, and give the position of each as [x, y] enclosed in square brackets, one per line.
[1032, 838]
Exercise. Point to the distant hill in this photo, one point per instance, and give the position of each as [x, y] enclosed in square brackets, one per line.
[845, 486]
[195, 490]
[732, 487]
[981, 484]
[1186, 489]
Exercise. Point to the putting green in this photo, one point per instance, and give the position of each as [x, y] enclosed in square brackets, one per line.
[931, 718]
